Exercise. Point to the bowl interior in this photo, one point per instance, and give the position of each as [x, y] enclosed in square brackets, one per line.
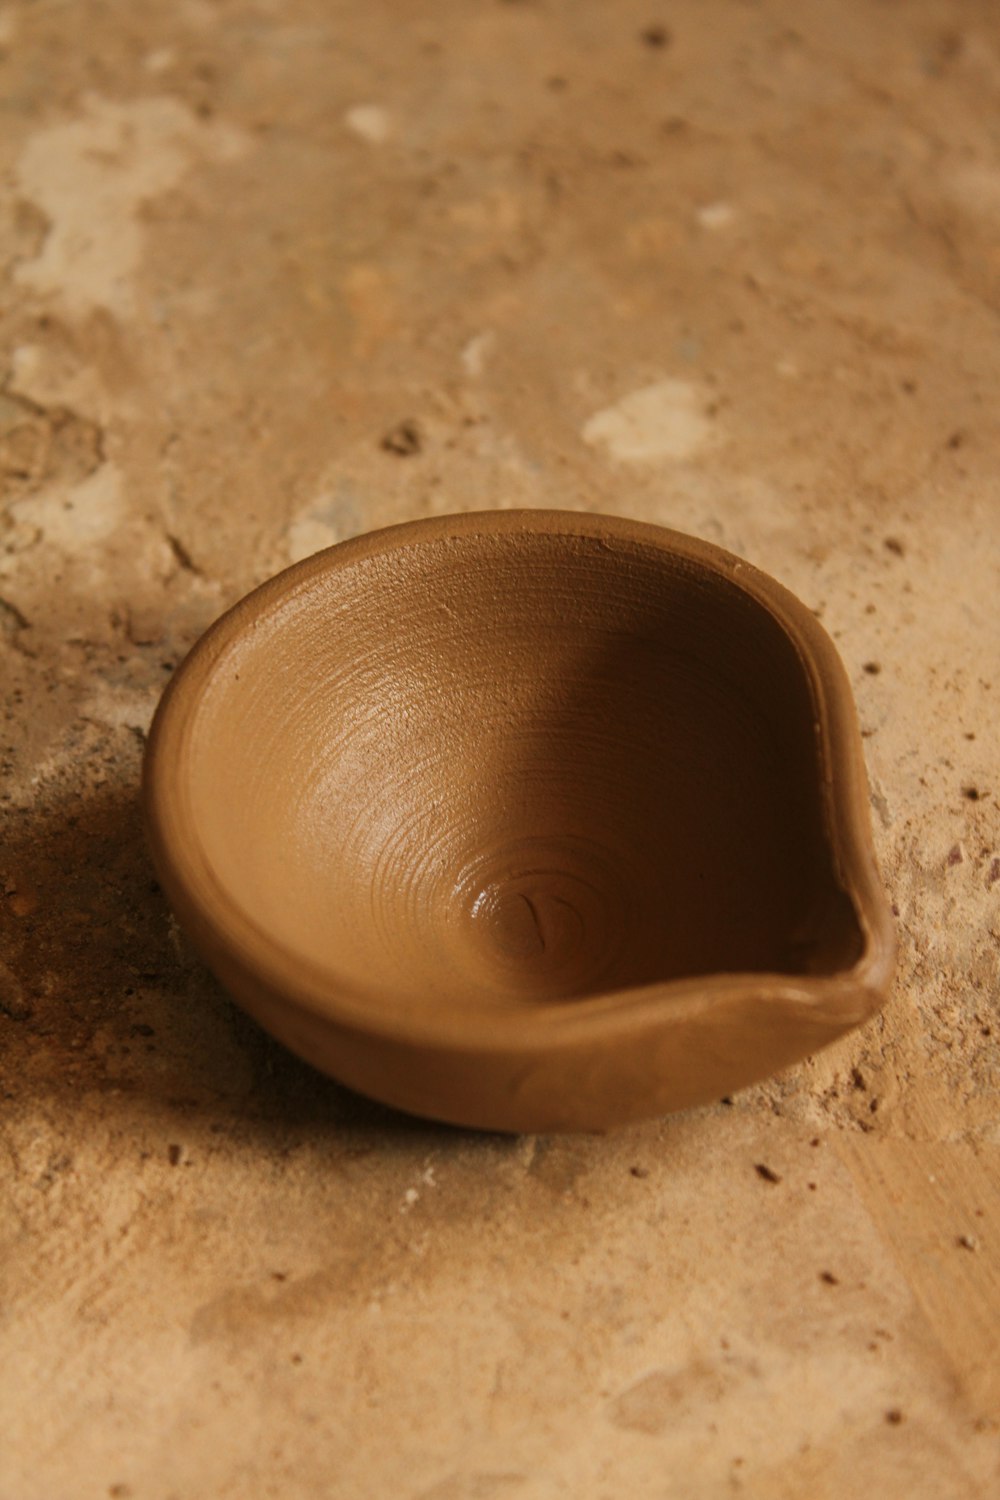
[504, 768]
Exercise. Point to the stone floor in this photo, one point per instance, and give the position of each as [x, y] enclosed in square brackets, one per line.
[277, 271]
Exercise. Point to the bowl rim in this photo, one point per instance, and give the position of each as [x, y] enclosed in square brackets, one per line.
[215, 921]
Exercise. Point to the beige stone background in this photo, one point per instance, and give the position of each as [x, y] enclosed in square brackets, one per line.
[733, 267]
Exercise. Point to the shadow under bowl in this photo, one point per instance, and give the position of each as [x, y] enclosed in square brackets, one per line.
[525, 820]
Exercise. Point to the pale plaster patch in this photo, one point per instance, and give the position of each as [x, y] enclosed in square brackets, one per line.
[78, 515]
[120, 708]
[50, 377]
[715, 215]
[476, 352]
[160, 59]
[90, 176]
[330, 518]
[307, 536]
[369, 121]
[666, 420]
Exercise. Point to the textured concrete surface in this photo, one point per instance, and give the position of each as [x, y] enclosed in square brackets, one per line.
[274, 273]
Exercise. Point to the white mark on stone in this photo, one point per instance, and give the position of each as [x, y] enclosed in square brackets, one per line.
[369, 121]
[477, 351]
[160, 59]
[308, 536]
[328, 519]
[410, 1197]
[91, 175]
[119, 708]
[878, 799]
[666, 420]
[715, 215]
[50, 377]
[77, 516]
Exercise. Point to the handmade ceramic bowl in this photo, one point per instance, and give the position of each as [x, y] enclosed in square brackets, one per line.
[525, 820]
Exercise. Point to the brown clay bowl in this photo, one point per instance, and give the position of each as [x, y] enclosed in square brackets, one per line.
[525, 820]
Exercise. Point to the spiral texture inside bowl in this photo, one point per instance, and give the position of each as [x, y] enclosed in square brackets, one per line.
[505, 768]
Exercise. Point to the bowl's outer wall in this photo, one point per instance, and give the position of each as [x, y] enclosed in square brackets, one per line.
[736, 1033]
